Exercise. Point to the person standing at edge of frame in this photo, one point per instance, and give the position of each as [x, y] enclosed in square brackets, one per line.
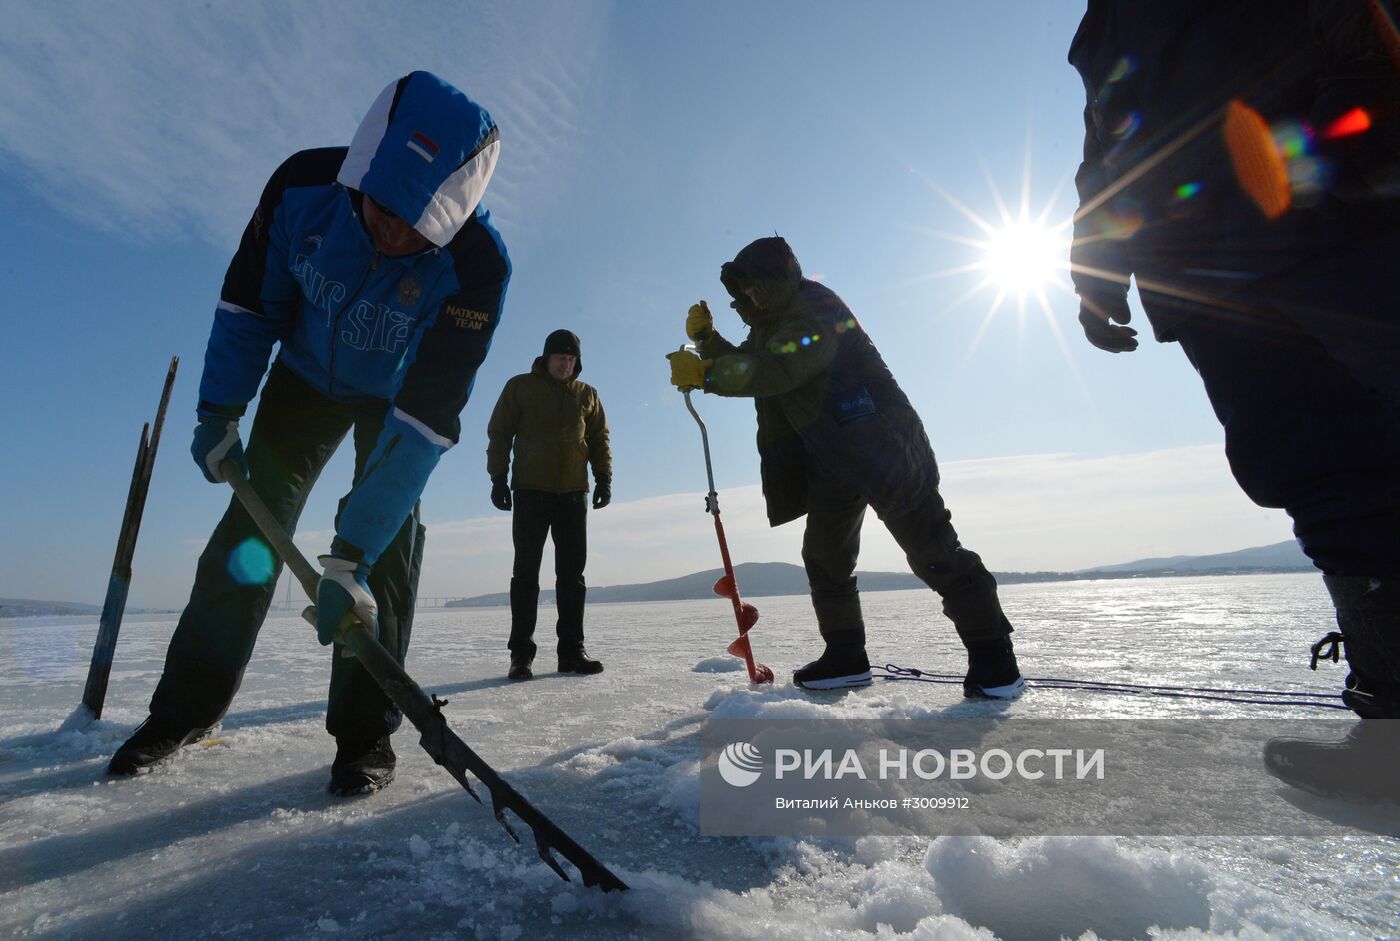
[836, 435]
[1242, 165]
[377, 269]
[554, 426]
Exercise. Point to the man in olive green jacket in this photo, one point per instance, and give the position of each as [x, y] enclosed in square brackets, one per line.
[556, 426]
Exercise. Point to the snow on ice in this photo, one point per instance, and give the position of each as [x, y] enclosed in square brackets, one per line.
[237, 838]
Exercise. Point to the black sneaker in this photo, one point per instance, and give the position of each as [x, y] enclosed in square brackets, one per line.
[842, 666]
[361, 767]
[578, 661]
[520, 667]
[1364, 765]
[992, 672]
[154, 742]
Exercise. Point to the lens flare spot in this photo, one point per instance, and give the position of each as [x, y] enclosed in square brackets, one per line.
[1119, 221]
[1355, 121]
[1292, 139]
[251, 563]
[1126, 126]
[1186, 190]
[1124, 67]
[1308, 178]
[1259, 166]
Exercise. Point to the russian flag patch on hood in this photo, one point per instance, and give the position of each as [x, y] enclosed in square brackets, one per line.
[419, 143]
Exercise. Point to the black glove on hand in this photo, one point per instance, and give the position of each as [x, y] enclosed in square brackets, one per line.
[1098, 312]
[500, 493]
[602, 494]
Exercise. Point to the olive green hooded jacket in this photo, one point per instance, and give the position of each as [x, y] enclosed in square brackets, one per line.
[556, 429]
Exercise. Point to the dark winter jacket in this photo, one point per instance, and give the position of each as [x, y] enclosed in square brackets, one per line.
[820, 388]
[356, 325]
[1159, 194]
[556, 430]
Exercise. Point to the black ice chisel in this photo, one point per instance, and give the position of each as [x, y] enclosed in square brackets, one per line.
[424, 711]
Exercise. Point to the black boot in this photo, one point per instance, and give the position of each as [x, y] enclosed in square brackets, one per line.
[1368, 615]
[842, 665]
[1363, 766]
[361, 766]
[153, 743]
[992, 672]
[520, 667]
[577, 660]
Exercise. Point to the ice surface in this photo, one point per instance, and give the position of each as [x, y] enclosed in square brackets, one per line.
[237, 838]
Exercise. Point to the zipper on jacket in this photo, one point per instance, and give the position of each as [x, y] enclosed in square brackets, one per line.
[335, 324]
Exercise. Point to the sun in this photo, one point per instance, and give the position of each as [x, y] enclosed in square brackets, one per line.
[1024, 257]
[1018, 257]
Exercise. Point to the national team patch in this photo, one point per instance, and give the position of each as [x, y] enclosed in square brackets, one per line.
[409, 291]
[467, 318]
[421, 145]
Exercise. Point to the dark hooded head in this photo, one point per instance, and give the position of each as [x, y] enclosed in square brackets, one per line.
[762, 278]
[565, 342]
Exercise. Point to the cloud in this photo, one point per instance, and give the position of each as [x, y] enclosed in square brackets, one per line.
[1025, 513]
[154, 119]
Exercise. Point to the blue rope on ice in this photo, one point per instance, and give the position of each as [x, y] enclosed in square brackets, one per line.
[1271, 697]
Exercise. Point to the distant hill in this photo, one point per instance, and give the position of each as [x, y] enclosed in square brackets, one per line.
[762, 579]
[27, 608]
[1279, 557]
[756, 579]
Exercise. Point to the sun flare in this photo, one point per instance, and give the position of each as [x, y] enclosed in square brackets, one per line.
[1019, 258]
[1024, 257]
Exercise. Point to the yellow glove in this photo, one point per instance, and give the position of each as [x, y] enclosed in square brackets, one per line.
[698, 322]
[688, 369]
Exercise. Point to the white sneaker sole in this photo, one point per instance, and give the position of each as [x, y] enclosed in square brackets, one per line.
[852, 681]
[1009, 691]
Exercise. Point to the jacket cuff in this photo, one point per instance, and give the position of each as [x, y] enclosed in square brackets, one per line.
[213, 410]
[343, 549]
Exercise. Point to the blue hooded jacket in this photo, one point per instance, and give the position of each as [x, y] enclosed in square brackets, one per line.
[356, 324]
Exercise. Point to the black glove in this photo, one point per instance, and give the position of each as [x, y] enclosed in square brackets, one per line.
[1096, 310]
[500, 493]
[602, 494]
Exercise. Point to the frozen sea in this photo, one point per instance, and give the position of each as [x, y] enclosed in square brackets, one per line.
[237, 838]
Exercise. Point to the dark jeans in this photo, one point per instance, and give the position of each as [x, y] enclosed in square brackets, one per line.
[831, 544]
[564, 516]
[294, 433]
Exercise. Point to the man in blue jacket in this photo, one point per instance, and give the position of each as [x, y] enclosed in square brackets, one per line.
[1242, 165]
[380, 274]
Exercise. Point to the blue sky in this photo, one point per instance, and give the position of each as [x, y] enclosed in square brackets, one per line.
[643, 144]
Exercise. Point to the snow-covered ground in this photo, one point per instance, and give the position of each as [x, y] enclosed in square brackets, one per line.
[238, 837]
